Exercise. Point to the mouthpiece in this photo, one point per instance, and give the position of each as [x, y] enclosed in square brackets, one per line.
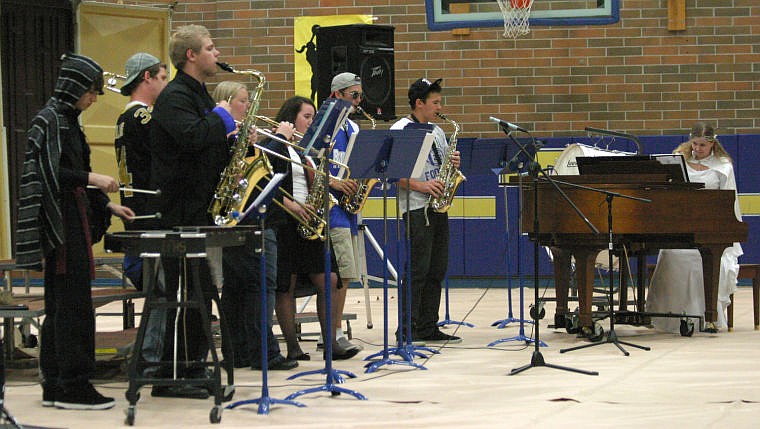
[224, 66]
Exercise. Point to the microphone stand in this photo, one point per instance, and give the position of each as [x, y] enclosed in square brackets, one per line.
[612, 337]
[537, 311]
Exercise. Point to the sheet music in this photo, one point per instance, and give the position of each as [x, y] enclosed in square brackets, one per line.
[673, 159]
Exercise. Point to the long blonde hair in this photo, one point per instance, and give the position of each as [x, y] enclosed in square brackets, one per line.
[702, 129]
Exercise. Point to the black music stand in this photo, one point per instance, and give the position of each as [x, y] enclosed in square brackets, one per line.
[389, 154]
[332, 376]
[537, 312]
[259, 209]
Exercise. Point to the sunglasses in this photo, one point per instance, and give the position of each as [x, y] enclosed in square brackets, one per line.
[355, 94]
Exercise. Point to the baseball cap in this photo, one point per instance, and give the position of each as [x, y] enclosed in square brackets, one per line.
[344, 80]
[136, 64]
[421, 87]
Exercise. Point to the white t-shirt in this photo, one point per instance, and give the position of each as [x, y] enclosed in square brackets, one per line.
[418, 200]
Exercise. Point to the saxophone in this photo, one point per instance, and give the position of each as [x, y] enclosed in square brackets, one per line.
[449, 175]
[353, 203]
[316, 224]
[242, 173]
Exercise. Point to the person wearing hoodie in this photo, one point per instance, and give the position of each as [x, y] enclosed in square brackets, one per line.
[59, 220]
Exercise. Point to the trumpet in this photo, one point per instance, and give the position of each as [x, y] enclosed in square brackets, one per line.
[112, 79]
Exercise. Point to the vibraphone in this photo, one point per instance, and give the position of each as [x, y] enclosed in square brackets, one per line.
[189, 244]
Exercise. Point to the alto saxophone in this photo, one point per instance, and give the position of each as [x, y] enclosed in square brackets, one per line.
[242, 173]
[316, 224]
[353, 203]
[448, 174]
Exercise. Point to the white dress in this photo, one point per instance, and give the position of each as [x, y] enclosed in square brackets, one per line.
[677, 285]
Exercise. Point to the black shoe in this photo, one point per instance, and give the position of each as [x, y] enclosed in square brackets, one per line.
[49, 392]
[339, 353]
[187, 391]
[277, 363]
[439, 337]
[83, 397]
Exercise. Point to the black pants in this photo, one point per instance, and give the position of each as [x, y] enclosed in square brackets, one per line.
[430, 257]
[241, 299]
[67, 352]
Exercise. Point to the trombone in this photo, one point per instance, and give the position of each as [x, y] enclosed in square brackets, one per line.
[112, 79]
[276, 124]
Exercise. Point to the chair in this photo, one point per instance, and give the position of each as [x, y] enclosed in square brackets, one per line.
[748, 271]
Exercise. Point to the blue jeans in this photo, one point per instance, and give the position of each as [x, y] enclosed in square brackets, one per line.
[242, 296]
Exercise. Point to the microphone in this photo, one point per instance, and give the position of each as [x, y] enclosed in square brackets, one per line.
[511, 126]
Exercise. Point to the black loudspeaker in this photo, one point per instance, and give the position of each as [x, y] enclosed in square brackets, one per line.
[366, 50]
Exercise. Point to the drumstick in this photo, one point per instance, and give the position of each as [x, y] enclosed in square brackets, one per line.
[126, 189]
[153, 216]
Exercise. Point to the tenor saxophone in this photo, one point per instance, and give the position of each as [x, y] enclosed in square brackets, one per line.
[448, 174]
[315, 226]
[242, 173]
[353, 203]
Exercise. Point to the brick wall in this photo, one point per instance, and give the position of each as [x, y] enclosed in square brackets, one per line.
[634, 76]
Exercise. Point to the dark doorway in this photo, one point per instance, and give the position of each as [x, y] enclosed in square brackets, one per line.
[34, 35]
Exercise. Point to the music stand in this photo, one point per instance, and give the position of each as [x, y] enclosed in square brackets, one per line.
[389, 154]
[259, 207]
[493, 155]
[536, 312]
[331, 115]
[332, 376]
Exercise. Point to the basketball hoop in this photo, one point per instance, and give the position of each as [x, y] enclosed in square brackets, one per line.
[516, 14]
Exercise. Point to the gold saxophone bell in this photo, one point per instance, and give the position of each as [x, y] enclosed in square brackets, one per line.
[112, 79]
[354, 203]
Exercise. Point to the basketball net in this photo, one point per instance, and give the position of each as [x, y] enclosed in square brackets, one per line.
[516, 14]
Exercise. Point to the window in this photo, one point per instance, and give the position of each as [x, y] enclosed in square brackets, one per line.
[449, 14]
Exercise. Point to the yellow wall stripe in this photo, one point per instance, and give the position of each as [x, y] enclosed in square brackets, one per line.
[470, 207]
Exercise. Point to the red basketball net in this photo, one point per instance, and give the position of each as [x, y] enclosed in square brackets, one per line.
[516, 14]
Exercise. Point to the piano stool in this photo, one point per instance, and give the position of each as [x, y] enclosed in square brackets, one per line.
[748, 271]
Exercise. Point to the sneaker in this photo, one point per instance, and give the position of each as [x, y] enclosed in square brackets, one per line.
[49, 393]
[348, 345]
[180, 391]
[83, 398]
[438, 337]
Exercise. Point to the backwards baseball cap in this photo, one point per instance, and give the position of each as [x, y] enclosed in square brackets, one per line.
[421, 87]
[136, 64]
[344, 80]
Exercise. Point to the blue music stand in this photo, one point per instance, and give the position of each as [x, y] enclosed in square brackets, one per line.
[389, 154]
[327, 121]
[258, 208]
[493, 155]
[333, 376]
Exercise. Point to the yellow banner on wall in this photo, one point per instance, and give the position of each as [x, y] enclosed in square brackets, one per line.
[305, 45]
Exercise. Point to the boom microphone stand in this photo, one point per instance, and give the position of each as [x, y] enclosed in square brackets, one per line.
[612, 337]
[537, 311]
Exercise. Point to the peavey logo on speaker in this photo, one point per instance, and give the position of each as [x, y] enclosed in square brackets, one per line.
[377, 71]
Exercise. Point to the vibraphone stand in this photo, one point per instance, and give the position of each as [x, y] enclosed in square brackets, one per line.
[6, 419]
[190, 248]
